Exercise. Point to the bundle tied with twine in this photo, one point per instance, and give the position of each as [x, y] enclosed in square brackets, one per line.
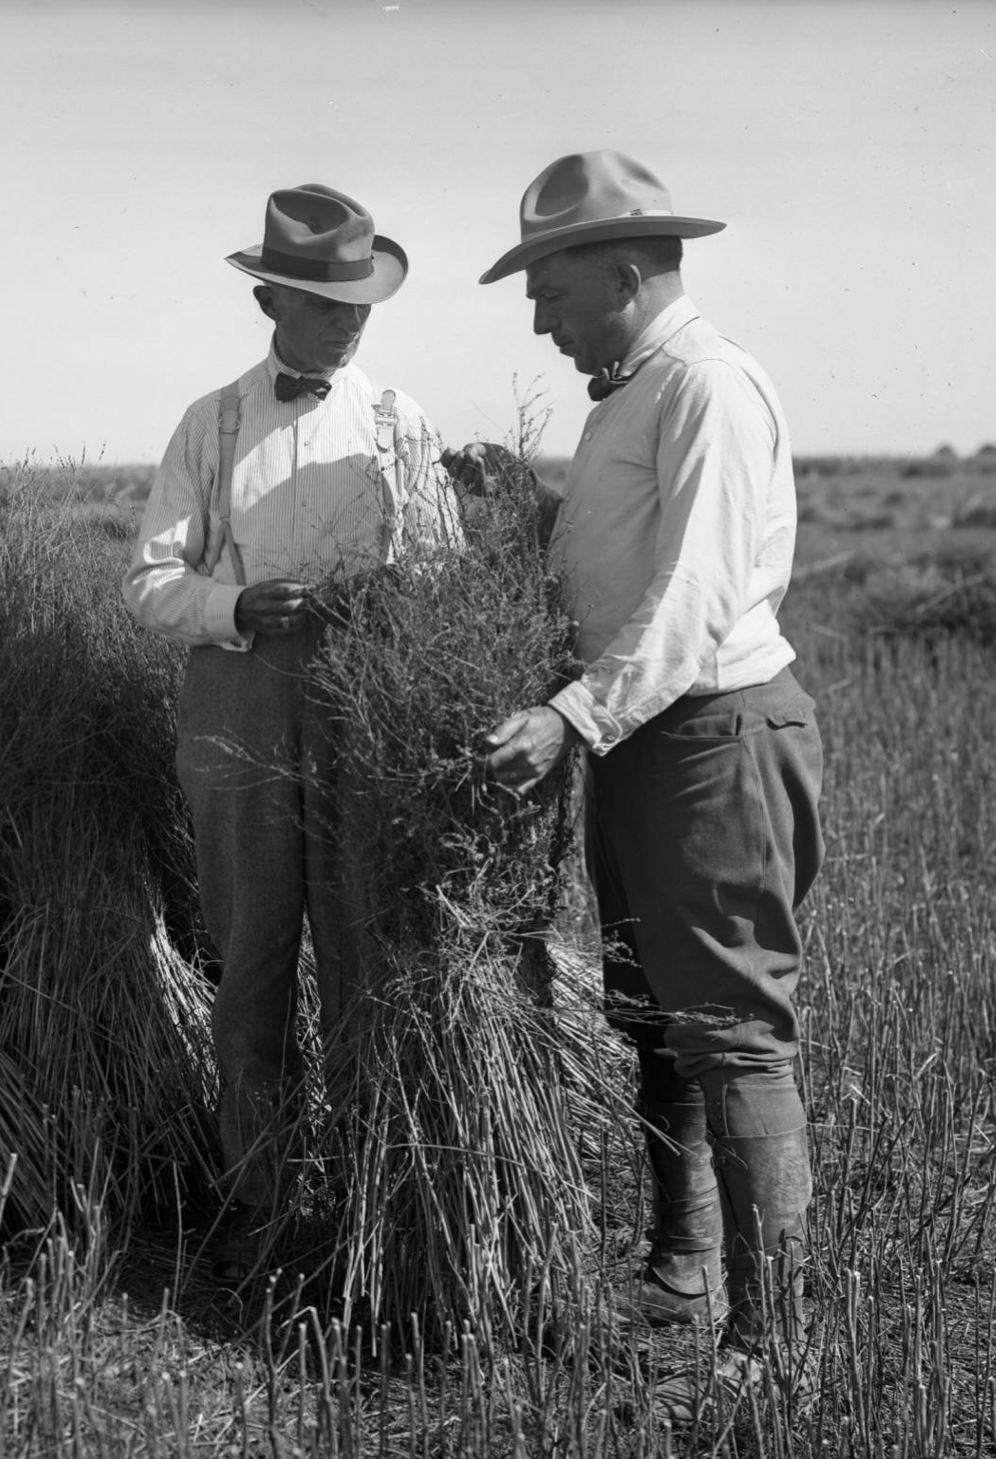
[463, 1099]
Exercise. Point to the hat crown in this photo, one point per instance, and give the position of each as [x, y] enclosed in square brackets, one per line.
[317, 223]
[321, 240]
[593, 197]
[588, 187]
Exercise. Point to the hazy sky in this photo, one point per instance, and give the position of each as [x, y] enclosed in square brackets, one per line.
[850, 145]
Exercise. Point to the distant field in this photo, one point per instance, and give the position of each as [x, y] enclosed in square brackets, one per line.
[841, 493]
[890, 508]
[862, 516]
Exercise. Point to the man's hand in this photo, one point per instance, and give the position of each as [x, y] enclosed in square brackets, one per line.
[280, 606]
[477, 466]
[528, 745]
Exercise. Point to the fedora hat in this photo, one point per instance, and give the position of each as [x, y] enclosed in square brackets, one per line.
[593, 197]
[320, 240]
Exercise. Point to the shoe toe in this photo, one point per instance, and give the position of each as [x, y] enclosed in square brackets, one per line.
[661, 1304]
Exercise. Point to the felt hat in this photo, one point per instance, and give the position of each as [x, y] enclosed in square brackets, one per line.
[593, 197]
[323, 241]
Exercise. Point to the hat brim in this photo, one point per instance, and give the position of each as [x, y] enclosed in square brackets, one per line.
[390, 268]
[646, 225]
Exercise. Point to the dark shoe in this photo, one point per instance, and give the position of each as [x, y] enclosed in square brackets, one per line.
[680, 1290]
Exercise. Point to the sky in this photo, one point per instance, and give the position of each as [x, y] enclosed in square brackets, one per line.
[849, 145]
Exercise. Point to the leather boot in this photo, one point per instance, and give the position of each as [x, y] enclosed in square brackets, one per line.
[762, 1165]
[683, 1278]
[766, 1187]
[758, 1129]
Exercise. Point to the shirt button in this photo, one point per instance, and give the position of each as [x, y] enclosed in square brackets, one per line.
[588, 435]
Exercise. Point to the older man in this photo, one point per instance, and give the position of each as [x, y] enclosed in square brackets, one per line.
[675, 538]
[273, 494]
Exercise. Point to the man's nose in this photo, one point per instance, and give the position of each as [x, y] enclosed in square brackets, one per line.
[541, 320]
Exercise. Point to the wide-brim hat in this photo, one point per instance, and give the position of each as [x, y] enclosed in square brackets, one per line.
[593, 197]
[323, 241]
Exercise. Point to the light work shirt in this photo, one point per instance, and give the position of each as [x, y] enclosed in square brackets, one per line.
[676, 531]
[308, 500]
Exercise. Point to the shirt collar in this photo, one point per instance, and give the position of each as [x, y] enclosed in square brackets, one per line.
[276, 366]
[658, 332]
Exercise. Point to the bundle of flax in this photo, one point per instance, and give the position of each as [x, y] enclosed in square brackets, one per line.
[455, 1092]
[103, 1049]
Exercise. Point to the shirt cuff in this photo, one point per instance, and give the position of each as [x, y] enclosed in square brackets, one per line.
[219, 618]
[581, 709]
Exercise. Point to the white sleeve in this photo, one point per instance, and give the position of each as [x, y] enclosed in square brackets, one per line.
[714, 468]
[163, 586]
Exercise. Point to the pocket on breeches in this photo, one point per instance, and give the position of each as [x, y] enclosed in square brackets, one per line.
[715, 812]
[798, 774]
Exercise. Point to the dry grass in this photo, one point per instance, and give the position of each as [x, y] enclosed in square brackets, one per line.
[514, 1351]
[101, 1020]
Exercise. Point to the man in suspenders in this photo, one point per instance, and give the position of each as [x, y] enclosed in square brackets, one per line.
[300, 473]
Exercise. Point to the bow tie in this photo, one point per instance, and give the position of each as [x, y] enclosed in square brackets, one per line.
[606, 382]
[289, 387]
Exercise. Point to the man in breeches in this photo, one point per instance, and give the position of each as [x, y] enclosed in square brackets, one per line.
[674, 540]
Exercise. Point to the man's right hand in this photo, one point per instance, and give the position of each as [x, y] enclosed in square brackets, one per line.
[477, 466]
[279, 606]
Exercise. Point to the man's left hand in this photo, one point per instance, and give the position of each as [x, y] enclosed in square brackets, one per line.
[478, 466]
[527, 746]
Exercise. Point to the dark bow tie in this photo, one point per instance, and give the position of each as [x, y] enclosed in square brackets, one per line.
[289, 387]
[606, 382]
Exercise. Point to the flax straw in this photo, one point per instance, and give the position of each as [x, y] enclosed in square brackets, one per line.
[458, 1099]
[102, 1023]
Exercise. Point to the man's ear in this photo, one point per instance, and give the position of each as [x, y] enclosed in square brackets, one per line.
[629, 282]
[264, 298]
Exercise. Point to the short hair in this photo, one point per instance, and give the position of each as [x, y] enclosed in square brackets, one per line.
[659, 254]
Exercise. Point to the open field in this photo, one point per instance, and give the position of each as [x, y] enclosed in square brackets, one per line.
[116, 1343]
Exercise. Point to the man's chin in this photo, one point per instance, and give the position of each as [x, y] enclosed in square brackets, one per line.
[338, 359]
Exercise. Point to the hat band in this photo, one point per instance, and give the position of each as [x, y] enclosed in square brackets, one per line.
[314, 269]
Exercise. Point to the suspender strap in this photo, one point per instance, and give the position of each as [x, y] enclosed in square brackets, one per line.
[228, 430]
[392, 481]
[388, 434]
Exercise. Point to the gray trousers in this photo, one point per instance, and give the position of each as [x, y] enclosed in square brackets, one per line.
[255, 761]
[704, 836]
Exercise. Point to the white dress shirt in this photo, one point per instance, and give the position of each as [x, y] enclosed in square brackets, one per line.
[307, 500]
[676, 531]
